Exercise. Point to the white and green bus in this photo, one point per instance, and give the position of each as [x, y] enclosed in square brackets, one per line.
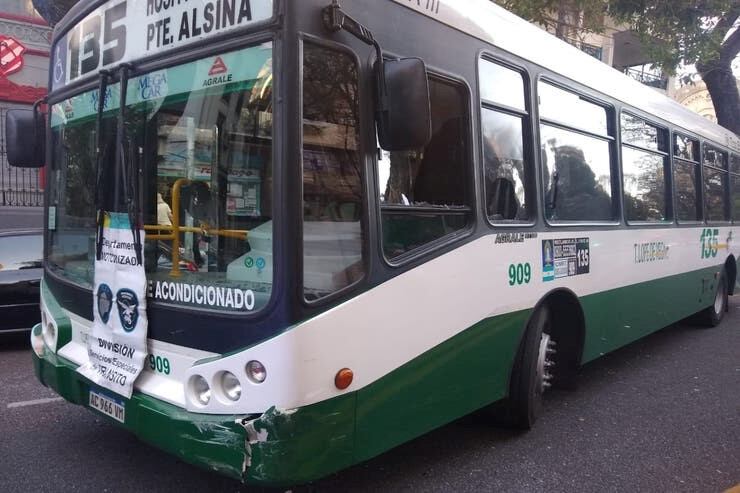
[353, 223]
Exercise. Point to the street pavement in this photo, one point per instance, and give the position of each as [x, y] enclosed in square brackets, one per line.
[21, 218]
[662, 414]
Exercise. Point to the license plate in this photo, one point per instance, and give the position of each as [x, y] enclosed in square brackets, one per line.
[108, 406]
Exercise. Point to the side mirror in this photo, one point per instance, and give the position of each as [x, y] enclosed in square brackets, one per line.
[404, 113]
[24, 138]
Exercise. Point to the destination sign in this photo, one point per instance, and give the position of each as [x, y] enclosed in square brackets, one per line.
[121, 31]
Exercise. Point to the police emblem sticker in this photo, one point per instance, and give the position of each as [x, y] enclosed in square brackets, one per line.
[105, 302]
[128, 309]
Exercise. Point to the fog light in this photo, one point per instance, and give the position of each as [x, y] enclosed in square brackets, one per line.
[200, 389]
[230, 385]
[256, 371]
[50, 336]
[37, 340]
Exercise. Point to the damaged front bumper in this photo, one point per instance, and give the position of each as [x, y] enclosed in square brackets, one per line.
[278, 447]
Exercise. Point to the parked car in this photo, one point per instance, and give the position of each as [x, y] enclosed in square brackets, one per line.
[21, 268]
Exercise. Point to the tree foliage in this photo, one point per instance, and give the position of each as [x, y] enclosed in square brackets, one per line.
[701, 32]
[566, 18]
[676, 31]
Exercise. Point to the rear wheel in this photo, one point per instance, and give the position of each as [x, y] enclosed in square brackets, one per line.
[531, 375]
[713, 314]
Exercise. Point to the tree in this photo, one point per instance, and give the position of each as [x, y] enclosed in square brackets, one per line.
[693, 32]
[704, 33]
[566, 18]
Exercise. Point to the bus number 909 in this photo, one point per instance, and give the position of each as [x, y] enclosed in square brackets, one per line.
[159, 364]
[520, 274]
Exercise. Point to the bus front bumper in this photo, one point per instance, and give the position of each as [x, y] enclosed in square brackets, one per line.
[275, 448]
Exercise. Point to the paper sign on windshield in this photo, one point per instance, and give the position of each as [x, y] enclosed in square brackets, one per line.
[117, 345]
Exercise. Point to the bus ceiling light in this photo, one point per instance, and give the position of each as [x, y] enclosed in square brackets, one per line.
[230, 386]
[256, 372]
[200, 390]
[343, 379]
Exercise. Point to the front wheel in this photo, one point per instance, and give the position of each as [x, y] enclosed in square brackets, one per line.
[712, 315]
[531, 373]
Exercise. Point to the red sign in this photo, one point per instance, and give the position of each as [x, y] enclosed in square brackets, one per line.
[11, 55]
[218, 67]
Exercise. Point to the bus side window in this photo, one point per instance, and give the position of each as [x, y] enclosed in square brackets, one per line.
[576, 157]
[644, 171]
[507, 166]
[333, 231]
[735, 187]
[424, 193]
[686, 178]
[716, 203]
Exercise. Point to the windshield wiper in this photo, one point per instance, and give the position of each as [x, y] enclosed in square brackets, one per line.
[100, 151]
[129, 168]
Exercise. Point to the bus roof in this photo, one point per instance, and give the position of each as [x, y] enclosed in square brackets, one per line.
[494, 24]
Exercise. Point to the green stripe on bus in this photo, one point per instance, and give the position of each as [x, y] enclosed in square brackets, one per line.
[459, 376]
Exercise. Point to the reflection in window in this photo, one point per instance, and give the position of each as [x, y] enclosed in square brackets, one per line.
[501, 85]
[332, 179]
[504, 167]
[644, 185]
[566, 107]
[638, 132]
[644, 170]
[735, 164]
[72, 189]
[423, 193]
[578, 176]
[715, 184]
[684, 177]
[211, 148]
[715, 158]
[686, 148]
[735, 190]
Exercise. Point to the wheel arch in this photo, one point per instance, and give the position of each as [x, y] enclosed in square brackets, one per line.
[568, 329]
[731, 271]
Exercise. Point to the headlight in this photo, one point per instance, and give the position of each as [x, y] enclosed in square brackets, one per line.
[256, 371]
[231, 386]
[200, 390]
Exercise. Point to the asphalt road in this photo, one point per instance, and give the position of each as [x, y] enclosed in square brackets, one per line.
[662, 414]
[21, 218]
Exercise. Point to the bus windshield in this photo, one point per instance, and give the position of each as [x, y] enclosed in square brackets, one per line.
[200, 134]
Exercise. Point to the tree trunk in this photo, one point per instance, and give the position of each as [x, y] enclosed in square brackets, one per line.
[722, 87]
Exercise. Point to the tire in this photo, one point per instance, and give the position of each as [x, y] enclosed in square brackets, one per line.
[530, 376]
[713, 314]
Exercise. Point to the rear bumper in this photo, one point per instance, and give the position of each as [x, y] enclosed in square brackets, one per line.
[278, 447]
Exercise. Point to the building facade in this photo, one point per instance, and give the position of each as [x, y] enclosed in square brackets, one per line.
[24, 66]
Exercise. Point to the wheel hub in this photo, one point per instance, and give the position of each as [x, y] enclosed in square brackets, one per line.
[545, 362]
